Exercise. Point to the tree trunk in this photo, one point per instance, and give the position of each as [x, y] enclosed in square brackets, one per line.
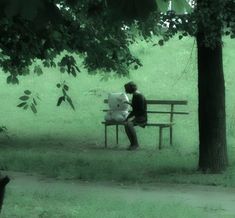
[212, 116]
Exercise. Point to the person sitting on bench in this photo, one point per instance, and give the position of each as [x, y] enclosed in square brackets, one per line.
[138, 115]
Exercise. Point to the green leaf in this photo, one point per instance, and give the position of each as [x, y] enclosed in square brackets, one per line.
[26, 107]
[34, 101]
[25, 72]
[46, 64]
[69, 68]
[71, 60]
[73, 72]
[15, 80]
[9, 79]
[66, 87]
[22, 104]
[24, 98]
[77, 69]
[33, 108]
[53, 64]
[12, 79]
[63, 62]
[27, 92]
[161, 42]
[62, 98]
[69, 100]
[64, 92]
[38, 70]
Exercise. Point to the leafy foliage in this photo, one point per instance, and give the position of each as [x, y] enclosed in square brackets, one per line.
[212, 17]
[38, 70]
[64, 97]
[42, 29]
[12, 79]
[99, 30]
[68, 63]
[29, 100]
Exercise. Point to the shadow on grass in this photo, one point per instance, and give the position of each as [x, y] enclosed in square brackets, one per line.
[73, 159]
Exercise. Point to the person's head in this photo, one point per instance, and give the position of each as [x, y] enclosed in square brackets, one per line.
[130, 87]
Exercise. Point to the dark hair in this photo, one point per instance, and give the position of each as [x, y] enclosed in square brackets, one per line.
[131, 86]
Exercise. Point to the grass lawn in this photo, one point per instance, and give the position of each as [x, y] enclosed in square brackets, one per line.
[58, 142]
[36, 197]
[114, 165]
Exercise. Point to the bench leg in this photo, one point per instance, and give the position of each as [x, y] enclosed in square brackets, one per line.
[160, 138]
[171, 136]
[117, 134]
[105, 136]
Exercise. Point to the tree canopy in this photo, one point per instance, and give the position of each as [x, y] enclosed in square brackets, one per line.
[43, 29]
[99, 30]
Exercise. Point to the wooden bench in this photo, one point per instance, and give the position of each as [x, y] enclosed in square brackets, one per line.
[161, 125]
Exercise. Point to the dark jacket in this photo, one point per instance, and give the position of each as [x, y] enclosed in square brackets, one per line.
[139, 107]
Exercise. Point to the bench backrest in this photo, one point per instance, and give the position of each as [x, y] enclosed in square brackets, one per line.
[170, 103]
[179, 102]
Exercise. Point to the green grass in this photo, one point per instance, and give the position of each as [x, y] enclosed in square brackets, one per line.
[170, 165]
[58, 142]
[45, 200]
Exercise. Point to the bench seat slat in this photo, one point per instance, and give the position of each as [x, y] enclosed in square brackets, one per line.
[167, 112]
[160, 124]
[160, 112]
[111, 123]
[175, 102]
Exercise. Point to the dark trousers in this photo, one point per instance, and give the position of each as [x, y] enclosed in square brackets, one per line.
[131, 133]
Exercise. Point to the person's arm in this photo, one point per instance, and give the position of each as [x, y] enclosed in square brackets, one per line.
[126, 102]
[130, 115]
